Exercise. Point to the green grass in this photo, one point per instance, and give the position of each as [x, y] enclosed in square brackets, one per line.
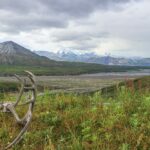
[82, 122]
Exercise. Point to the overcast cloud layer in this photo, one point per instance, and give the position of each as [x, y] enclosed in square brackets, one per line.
[118, 27]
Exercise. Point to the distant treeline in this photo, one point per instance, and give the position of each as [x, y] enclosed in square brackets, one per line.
[65, 69]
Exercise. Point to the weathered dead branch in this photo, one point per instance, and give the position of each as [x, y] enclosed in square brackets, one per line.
[10, 106]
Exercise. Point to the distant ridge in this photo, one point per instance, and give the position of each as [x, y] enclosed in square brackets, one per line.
[93, 58]
[12, 48]
[14, 54]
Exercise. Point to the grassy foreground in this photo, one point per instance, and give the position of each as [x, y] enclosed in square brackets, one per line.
[82, 122]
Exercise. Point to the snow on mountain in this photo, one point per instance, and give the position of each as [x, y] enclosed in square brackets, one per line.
[91, 57]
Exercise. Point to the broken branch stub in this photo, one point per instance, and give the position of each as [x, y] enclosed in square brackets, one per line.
[10, 106]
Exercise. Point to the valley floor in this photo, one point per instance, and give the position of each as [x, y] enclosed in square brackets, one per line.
[74, 83]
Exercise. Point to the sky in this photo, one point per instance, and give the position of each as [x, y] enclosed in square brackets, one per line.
[114, 27]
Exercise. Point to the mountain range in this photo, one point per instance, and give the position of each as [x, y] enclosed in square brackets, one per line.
[14, 58]
[94, 58]
[14, 54]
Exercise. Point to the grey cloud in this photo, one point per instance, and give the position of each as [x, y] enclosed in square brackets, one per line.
[80, 40]
[20, 6]
[75, 36]
[84, 45]
[77, 7]
[24, 15]
[27, 23]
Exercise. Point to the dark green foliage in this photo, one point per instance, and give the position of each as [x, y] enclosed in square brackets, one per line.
[63, 68]
[8, 87]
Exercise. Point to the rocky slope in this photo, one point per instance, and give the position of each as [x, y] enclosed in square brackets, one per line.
[14, 54]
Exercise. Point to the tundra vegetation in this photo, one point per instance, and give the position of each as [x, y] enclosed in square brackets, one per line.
[64, 68]
[85, 121]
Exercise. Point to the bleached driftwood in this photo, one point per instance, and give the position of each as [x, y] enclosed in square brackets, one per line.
[10, 106]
